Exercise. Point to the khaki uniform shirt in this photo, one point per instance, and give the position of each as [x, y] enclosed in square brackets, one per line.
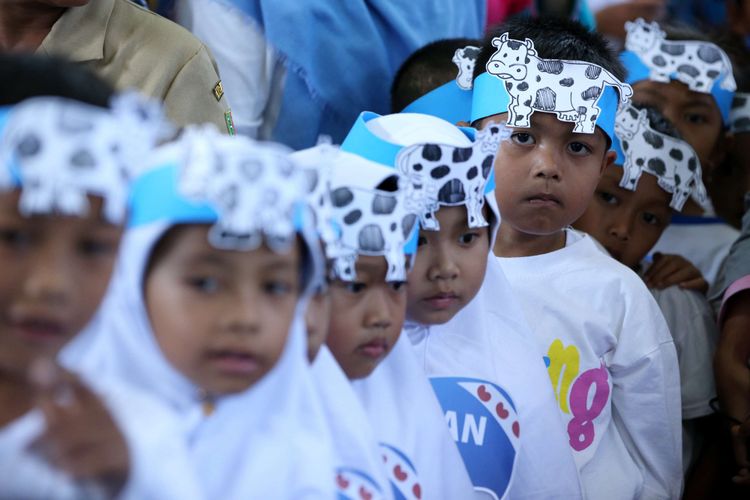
[132, 47]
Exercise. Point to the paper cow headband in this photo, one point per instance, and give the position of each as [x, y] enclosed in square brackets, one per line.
[702, 66]
[521, 83]
[251, 191]
[443, 175]
[58, 151]
[451, 101]
[672, 161]
[739, 116]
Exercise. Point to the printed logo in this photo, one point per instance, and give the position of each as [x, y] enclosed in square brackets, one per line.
[484, 424]
[353, 484]
[401, 474]
[583, 396]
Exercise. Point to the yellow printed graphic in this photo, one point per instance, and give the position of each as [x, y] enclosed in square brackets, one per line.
[563, 369]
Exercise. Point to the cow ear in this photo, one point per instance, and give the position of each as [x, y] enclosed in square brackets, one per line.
[629, 25]
[530, 46]
[497, 41]
[642, 114]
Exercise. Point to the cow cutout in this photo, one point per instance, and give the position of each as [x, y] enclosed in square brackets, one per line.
[466, 59]
[373, 222]
[739, 114]
[697, 64]
[439, 174]
[569, 89]
[674, 163]
[254, 188]
[60, 151]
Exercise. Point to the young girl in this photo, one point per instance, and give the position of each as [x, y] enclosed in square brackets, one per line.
[63, 190]
[206, 314]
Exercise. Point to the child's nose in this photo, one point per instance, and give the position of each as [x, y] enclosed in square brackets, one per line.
[443, 267]
[243, 314]
[50, 279]
[620, 229]
[547, 164]
[378, 314]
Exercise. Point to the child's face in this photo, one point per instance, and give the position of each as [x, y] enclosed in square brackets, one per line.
[366, 317]
[545, 175]
[627, 223]
[317, 321]
[220, 317]
[449, 268]
[694, 114]
[55, 271]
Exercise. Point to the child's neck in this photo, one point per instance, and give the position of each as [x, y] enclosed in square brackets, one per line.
[513, 243]
[15, 398]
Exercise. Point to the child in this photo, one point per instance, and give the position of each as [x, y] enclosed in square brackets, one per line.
[464, 335]
[610, 356]
[205, 313]
[368, 296]
[690, 80]
[64, 170]
[356, 454]
[437, 79]
[627, 216]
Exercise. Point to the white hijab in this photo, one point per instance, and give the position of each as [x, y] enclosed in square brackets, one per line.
[270, 441]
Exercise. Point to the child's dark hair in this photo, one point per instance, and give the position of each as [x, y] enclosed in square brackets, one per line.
[554, 38]
[426, 69]
[23, 76]
[659, 122]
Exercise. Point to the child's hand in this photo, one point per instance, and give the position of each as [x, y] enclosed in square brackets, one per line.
[668, 270]
[740, 439]
[80, 438]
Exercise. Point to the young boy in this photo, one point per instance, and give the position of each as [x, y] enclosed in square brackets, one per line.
[471, 343]
[690, 80]
[64, 170]
[206, 313]
[610, 356]
[369, 262]
[631, 208]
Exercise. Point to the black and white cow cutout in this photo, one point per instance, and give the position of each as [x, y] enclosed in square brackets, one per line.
[674, 163]
[697, 64]
[374, 223]
[739, 114]
[466, 59]
[439, 174]
[61, 151]
[570, 89]
[254, 188]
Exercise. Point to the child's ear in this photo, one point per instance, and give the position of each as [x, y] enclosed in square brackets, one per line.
[609, 159]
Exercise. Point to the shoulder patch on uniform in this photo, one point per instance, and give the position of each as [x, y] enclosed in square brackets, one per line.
[229, 121]
[218, 90]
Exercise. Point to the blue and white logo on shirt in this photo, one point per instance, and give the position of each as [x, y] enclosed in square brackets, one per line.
[401, 473]
[353, 484]
[484, 424]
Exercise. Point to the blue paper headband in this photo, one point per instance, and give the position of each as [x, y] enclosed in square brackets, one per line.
[638, 71]
[490, 97]
[449, 102]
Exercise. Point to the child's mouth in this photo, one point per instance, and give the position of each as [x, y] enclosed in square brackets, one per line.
[374, 349]
[544, 200]
[442, 301]
[39, 329]
[235, 362]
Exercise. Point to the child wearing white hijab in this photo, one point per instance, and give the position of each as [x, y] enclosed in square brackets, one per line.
[205, 313]
[470, 337]
[369, 268]
[64, 181]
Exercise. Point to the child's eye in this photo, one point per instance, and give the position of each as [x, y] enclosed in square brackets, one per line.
[277, 288]
[354, 287]
[522, 138]
[696, 118]
[204, 284]
[421, 241]
[607, 198]
[651, 219]
[579, 148]
[94, 248]
[397, 286]
[14, 237]
[468, 238]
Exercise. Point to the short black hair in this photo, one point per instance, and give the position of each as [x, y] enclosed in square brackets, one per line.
[23, 76]
[554, 38]
[426, 69]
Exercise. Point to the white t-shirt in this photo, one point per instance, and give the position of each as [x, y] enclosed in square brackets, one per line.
[706, 244]
[420, 458]
[159, 463]
[492, 383]
[357, 459]
[613, 367]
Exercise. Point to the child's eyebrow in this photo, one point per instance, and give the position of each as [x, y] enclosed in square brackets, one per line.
[207, 258]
